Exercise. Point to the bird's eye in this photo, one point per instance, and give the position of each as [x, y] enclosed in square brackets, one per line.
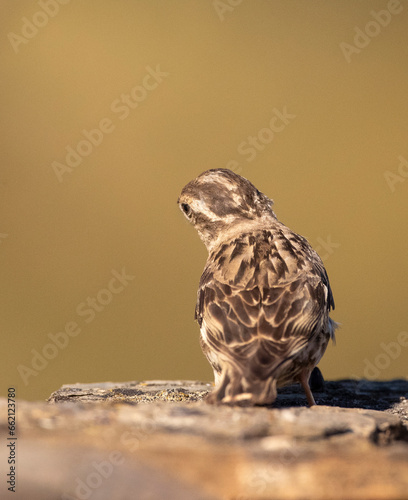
[186, 209]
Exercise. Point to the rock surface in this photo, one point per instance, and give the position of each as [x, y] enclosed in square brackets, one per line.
[159, 440]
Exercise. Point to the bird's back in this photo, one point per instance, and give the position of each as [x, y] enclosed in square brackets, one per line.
[263, 308]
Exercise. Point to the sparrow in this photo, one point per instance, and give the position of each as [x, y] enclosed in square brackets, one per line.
[264, 297]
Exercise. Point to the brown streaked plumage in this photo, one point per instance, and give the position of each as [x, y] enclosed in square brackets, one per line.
[264, 297]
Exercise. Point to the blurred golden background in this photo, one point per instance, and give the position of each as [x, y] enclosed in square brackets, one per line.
[110, 107]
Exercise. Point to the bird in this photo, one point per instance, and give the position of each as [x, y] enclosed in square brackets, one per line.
[264, 297]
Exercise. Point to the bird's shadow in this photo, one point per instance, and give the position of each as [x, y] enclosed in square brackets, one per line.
[347, 393]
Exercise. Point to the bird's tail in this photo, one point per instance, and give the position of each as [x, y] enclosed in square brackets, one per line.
[243, 390]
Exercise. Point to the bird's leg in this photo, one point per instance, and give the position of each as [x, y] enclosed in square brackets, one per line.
[304, 381]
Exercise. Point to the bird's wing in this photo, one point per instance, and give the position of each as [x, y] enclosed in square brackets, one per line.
[257, 312]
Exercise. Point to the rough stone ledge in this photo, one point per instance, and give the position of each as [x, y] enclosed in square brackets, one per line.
[159, 440]
[348, 393]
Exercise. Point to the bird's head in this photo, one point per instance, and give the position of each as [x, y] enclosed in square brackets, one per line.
[218, 201]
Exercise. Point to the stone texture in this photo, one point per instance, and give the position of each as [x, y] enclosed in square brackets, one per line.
[159, 440]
